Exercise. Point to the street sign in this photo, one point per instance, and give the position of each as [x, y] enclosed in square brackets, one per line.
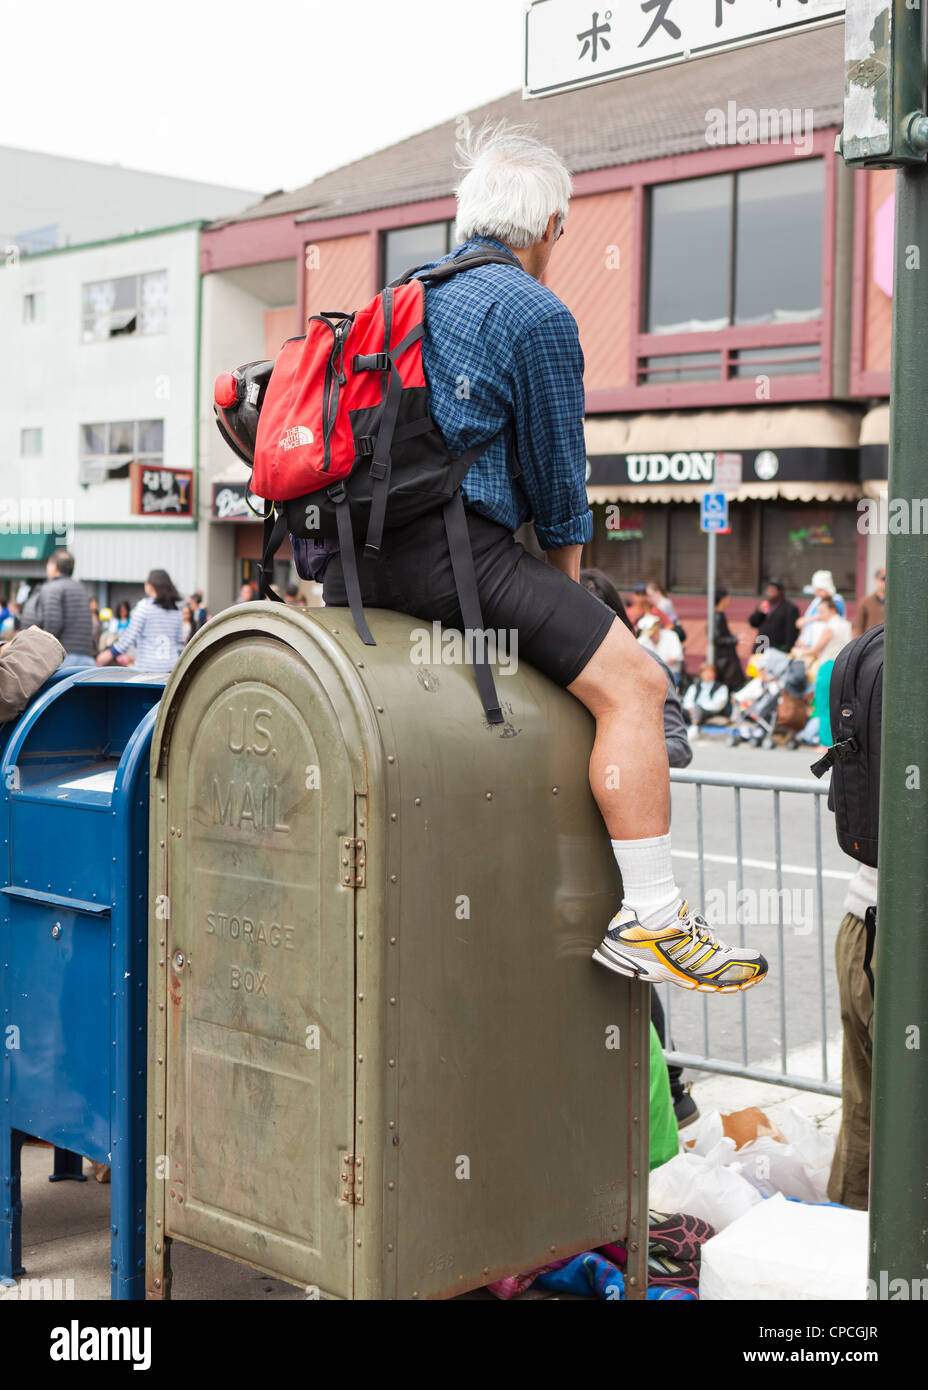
[728, 473]
[713, 514]
[575, 43]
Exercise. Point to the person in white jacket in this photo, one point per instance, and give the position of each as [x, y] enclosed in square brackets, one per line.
[705, 698]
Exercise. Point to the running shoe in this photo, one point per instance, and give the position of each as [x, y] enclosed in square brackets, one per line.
[685, 953]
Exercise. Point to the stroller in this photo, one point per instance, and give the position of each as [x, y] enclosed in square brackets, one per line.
[756, 706]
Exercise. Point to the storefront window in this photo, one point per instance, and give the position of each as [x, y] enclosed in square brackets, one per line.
[797, 540]
[736, 552]
[629, 543]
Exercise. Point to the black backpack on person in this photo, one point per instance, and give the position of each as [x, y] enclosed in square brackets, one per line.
[856, 708]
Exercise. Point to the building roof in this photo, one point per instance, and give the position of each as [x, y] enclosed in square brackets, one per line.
[649, 116]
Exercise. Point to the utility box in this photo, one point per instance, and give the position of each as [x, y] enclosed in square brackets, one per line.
[73, 946]
[382, 1063]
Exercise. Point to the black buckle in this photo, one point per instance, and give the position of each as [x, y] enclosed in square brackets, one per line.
[364, 446]
[378, 471]
[337, 492]
[373, 362]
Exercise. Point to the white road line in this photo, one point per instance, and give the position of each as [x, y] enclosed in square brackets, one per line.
[762, 864]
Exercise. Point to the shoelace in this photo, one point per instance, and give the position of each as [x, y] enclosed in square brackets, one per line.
[698, 929]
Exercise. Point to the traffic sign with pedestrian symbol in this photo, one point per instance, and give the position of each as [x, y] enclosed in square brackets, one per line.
[713, 514]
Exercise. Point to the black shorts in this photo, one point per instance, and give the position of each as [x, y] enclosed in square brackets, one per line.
[560, 624]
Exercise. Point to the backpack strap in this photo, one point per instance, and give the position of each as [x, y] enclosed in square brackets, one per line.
[870, 928]
[350, 562]
[445, 270]
[465, 580]
[275, 528]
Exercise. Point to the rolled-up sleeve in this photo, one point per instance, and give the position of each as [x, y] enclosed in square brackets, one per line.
[548, 408]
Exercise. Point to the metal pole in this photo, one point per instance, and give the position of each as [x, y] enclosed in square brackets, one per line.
[899, 1138]
[710, 598]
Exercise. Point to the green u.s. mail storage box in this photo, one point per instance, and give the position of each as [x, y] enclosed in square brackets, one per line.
[382, 1064]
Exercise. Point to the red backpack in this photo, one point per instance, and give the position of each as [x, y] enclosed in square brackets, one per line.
[343, 445]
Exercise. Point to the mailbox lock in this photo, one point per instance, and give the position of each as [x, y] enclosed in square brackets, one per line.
[56, 930]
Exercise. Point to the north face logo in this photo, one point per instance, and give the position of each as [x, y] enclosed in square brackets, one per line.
[293, 438]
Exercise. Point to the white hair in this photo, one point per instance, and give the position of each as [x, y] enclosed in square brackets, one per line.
[512, 186]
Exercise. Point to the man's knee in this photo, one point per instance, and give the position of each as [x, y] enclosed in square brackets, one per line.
[620, 675]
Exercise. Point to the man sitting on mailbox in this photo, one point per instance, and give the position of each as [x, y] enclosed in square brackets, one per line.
[504, 369]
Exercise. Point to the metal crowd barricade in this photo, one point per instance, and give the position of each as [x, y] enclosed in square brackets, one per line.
[704, 1060]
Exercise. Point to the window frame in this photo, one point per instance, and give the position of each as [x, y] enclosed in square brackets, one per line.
[117, 461]
[726, 388]
[387, 232]
[32, 453]
[138, 277]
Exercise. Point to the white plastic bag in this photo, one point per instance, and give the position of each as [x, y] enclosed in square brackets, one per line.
[798, 1168]
[704, 1186]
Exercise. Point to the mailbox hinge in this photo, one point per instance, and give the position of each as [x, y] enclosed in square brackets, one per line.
[351, 1179]
[353, 859]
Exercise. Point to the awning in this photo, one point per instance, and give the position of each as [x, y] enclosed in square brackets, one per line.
[823, 491]
[741, 428]
[24, 545]
[874, 427]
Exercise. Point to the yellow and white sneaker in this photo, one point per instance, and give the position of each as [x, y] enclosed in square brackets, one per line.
[685, 953]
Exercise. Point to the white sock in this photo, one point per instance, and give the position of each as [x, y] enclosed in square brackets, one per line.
[648, 884]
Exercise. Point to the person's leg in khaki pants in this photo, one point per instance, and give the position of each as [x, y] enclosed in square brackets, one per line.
[849, 1180]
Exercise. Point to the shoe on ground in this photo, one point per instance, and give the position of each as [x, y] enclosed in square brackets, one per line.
[685, 953]
[686, 1110]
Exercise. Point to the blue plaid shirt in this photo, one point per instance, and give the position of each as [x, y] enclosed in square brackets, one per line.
[501, 352]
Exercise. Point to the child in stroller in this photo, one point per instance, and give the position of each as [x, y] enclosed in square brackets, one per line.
[755, 706]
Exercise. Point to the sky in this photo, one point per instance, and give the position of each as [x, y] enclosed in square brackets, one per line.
[255, 94]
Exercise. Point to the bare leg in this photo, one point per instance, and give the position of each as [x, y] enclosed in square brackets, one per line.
[624, 689]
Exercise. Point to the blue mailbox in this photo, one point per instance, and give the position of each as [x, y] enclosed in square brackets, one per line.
[73, 943]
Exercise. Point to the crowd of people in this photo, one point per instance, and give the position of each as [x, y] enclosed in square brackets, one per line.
[148, 635]
[725, 687]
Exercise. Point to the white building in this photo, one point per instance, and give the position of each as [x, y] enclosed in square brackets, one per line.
[98, 356]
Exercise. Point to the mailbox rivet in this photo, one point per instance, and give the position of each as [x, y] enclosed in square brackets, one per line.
[390, 758]
[161, 843]
[634, 1245]
[361, 665]
[157, 1283]
[554, 790]
[392, 999]
[635, 1066]
[392, 1124]
[489, 796]
[360, 1119]
[360, 996]
[56, 930]
[157, 1249]
[393, 815]
[615, 1228]
[633, 1280]
[360, 936]
[418, 801]
[634, 1221]
[634, 1119]
[486, 1269]
[344, 861]
[415, 1293]
[357, 1242]
[634, 1172]
[391, 1185]
[392, 1062]
[396, 1140]
[393, 878]
[389, 1247]
[360, 1059]
[361, 821]
[552, 1248]
[392, 940]
[180, 832]
[380, 709]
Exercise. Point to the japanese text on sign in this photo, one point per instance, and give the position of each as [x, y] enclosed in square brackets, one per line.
[573, 43]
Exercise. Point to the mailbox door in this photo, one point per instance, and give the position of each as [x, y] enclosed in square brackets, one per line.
[258, 974]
